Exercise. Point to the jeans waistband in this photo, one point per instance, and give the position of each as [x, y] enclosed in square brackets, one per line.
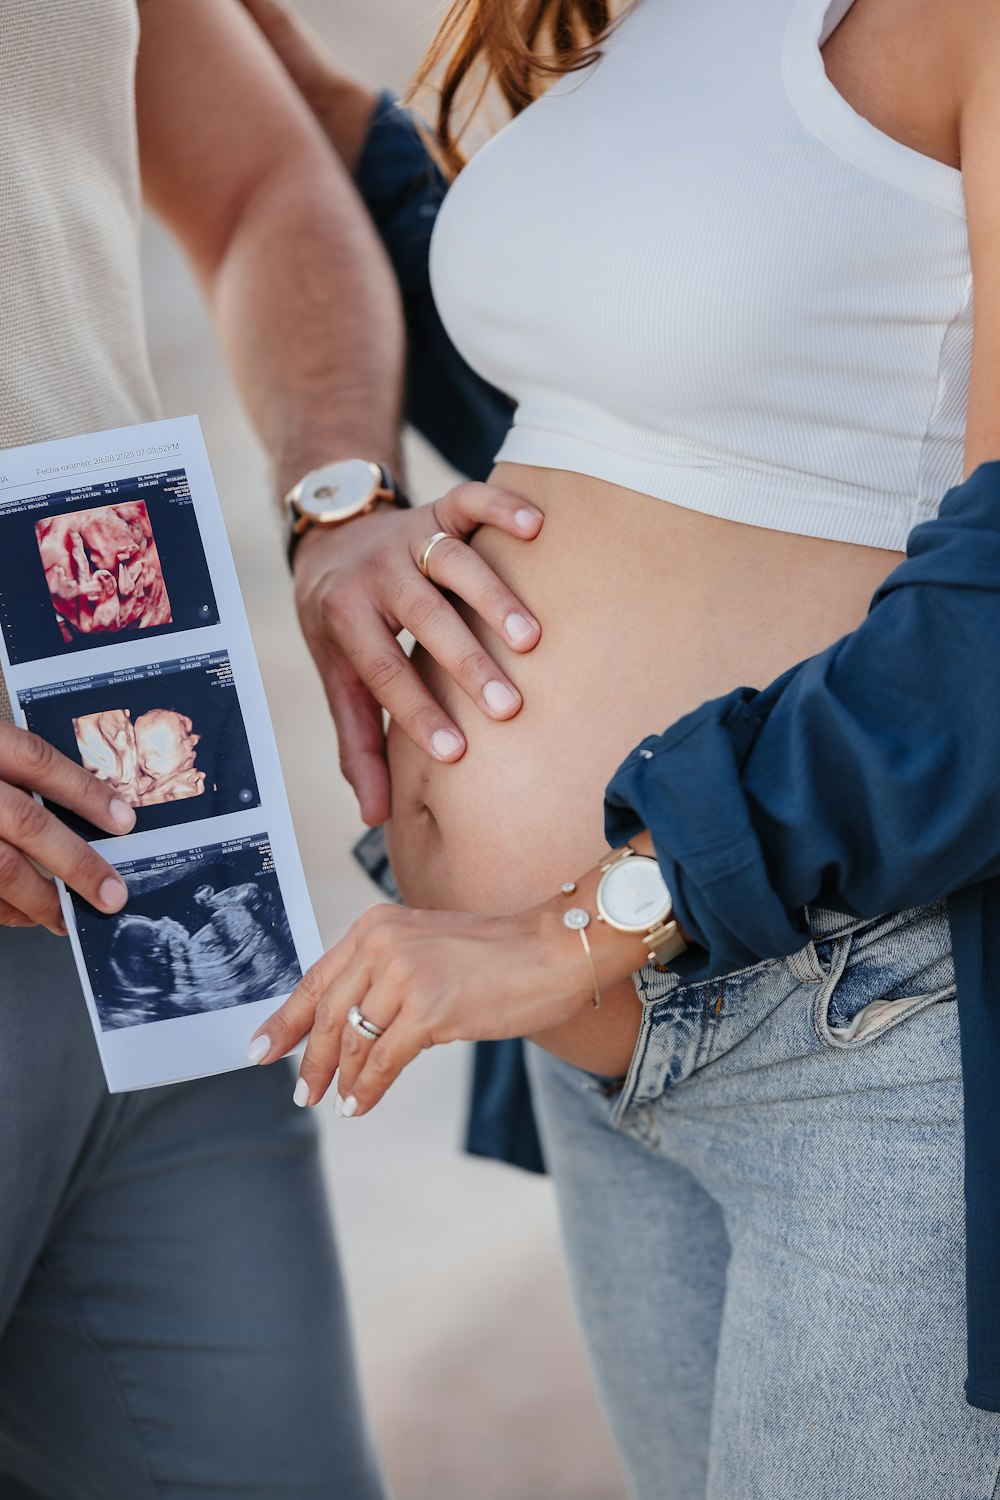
[824, 922]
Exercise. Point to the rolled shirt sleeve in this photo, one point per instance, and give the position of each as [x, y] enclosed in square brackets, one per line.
[866, 778]
[459, 413]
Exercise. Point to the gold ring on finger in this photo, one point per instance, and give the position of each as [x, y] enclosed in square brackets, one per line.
[428, 548]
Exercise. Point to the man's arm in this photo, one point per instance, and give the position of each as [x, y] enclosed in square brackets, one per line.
[381, 145]
[309, 314]
[299, 287]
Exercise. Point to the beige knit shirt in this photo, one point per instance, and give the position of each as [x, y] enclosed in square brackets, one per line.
[73, 354]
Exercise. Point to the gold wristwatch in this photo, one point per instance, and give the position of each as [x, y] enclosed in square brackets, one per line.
[632, 896]
[337, 493]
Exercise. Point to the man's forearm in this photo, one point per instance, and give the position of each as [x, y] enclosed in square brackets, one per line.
[303, 297]
[308, 313]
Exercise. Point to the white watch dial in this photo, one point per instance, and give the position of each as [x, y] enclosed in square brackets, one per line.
[337, 488]
[633, 894]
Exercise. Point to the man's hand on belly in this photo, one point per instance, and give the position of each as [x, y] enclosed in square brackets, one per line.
[358, 586]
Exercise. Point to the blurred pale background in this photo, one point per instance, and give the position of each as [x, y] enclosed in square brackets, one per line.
[473, 1369]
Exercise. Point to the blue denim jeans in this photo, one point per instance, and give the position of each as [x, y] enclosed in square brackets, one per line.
[765, 1226]
[172, 1324]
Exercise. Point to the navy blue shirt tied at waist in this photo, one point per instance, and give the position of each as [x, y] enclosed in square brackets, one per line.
[866, 779]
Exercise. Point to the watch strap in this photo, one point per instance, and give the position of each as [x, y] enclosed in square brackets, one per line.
[663, 942]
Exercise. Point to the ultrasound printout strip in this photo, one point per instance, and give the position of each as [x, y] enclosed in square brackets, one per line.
[124, 642]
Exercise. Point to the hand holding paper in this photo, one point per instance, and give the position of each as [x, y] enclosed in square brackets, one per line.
[126, 651]
[28, 832]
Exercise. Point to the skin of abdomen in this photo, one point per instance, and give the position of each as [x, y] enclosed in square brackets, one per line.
[647, 610]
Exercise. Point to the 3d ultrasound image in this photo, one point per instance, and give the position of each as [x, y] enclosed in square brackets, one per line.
[103, 570]
[168, 737]
[147, 762]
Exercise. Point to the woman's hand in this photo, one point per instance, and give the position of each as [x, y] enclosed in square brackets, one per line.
[30, 835]
[343, 105]
[426, 978]
[358, 585]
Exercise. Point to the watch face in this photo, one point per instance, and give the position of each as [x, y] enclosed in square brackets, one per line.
[336, 490]
[633, 894]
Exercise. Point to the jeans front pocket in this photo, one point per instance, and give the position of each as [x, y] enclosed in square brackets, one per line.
[895, 967]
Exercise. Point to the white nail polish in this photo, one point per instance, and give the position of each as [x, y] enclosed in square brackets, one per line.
[526, 519]
[259, 1048]
[301, 1095]
[499, 698]
[350, 1107]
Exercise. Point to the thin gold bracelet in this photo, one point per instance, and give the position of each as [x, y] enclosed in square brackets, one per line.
[578, 920]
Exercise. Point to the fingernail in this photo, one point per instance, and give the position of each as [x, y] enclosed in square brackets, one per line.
[113, 893]
[445, 744]
[526, 519]
[350, 1107]
[499, 698]
[259, 1048]
[518, 628]
[301, 1095]
[122, 815]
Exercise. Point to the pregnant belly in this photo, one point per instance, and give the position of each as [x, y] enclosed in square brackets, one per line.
[647, 609]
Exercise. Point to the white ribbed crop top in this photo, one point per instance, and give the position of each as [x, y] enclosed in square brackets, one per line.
[701, 275]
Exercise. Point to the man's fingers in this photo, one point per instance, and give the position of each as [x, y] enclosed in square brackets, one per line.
[31, 762]
[471, 504]
[440, 629]
[357, 718]
[454, 566]
[11, 917]
[389, 675]
[28, 892]
[28, 828]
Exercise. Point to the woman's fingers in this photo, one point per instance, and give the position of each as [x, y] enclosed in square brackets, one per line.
[32, 763]
[332, 1042]
[379, 1066]
[299, 49]
[342, 972]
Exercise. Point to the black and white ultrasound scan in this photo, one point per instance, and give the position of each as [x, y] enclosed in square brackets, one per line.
[204, 929]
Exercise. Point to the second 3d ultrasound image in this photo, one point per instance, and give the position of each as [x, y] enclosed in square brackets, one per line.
[168, 738]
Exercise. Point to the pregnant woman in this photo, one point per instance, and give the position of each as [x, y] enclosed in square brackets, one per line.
[724, 268]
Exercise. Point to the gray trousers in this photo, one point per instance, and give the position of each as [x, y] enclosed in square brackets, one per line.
[172, 1322]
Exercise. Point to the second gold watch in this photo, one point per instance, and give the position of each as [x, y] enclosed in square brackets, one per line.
[632, 896]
